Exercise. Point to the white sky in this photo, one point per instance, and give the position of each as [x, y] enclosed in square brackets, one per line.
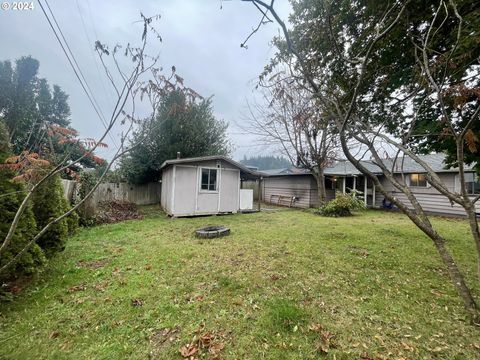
[200, 37]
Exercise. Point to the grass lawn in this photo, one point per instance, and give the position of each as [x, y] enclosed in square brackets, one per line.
[283, 285]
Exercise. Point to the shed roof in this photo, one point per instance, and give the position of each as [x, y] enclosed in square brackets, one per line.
[242, 167]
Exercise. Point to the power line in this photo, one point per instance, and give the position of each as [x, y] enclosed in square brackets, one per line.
[96, 106]
[92, 53]
[91, 98]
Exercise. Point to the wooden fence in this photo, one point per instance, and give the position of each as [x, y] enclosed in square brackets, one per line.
[147, 194]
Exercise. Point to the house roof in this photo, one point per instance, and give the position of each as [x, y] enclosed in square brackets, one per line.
[435, 161]
[346, 168]
[242, 167]
[285, 171]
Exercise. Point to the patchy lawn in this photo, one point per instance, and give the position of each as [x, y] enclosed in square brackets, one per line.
[283, 285]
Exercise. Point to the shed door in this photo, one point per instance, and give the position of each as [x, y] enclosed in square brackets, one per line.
[229, 191]
[185, 190]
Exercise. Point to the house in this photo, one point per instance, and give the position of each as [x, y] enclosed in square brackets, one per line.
[206, 185]
[300, 185]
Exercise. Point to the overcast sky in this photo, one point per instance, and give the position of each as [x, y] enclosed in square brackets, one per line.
[200, 37]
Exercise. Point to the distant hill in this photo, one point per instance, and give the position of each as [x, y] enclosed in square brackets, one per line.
[267, 162]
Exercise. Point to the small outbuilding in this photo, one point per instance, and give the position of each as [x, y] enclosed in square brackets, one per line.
[206, 185]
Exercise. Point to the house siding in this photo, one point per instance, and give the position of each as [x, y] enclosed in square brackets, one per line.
[429, 198]
[299, 186]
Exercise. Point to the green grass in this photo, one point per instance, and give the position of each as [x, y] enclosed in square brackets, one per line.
[283, 285]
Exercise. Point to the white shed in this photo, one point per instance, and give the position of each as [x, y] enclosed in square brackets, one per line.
[205, 186]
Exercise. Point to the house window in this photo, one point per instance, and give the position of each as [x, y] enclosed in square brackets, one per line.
[418, 180]
[472, 183]
[209, 180]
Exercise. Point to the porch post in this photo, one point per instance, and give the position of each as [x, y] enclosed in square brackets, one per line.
[259, 192]
[354, 183]
[365, 190]
[373, 196]
[343, 184]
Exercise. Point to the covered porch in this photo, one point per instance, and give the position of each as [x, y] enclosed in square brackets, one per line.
[354, 182]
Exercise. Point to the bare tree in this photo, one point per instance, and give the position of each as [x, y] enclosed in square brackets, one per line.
[290, 118]
[435, 88]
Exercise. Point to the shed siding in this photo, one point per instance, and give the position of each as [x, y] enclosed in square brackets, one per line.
[181, 188]
[166, 193]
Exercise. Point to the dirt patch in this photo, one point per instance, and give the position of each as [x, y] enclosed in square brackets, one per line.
[109, 212]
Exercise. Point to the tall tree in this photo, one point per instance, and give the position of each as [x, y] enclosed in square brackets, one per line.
[181, 126]
[18, 87]
[293, 121]
[37, 114]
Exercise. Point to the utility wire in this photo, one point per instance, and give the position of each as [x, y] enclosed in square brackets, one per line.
[84, 87]
[96, 106]
[89, 41]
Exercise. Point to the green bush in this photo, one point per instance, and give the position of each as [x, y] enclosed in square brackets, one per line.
[342, 205]
[72, 222]
[48, 204]
[12, 196]
[86, 212]
[26, 229]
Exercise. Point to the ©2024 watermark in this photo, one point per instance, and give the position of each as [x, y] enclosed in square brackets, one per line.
[17, 5]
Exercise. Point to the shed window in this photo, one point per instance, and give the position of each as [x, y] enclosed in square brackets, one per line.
[418, 180]
[209, 179]
[472, 183]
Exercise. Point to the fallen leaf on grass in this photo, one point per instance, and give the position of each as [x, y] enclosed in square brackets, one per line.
[76, 288]
[321, 348]
[137, 302]
[315, 327]
[188, 350]
[92, 265]
[65, 345]
[365, 356]
[407, 346]
[205, 340]
[215, 349]
[101, 287]
[53, 335]
[148, 267]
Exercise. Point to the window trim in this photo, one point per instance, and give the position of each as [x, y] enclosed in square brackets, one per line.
[416, 185]
[476, 179]
[206, 191]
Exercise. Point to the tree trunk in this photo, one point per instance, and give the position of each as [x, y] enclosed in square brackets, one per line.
[322, 192]
[472, 220]
[457, 279]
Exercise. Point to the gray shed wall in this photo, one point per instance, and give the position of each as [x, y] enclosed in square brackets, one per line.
[166, 193]
[182, 195]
